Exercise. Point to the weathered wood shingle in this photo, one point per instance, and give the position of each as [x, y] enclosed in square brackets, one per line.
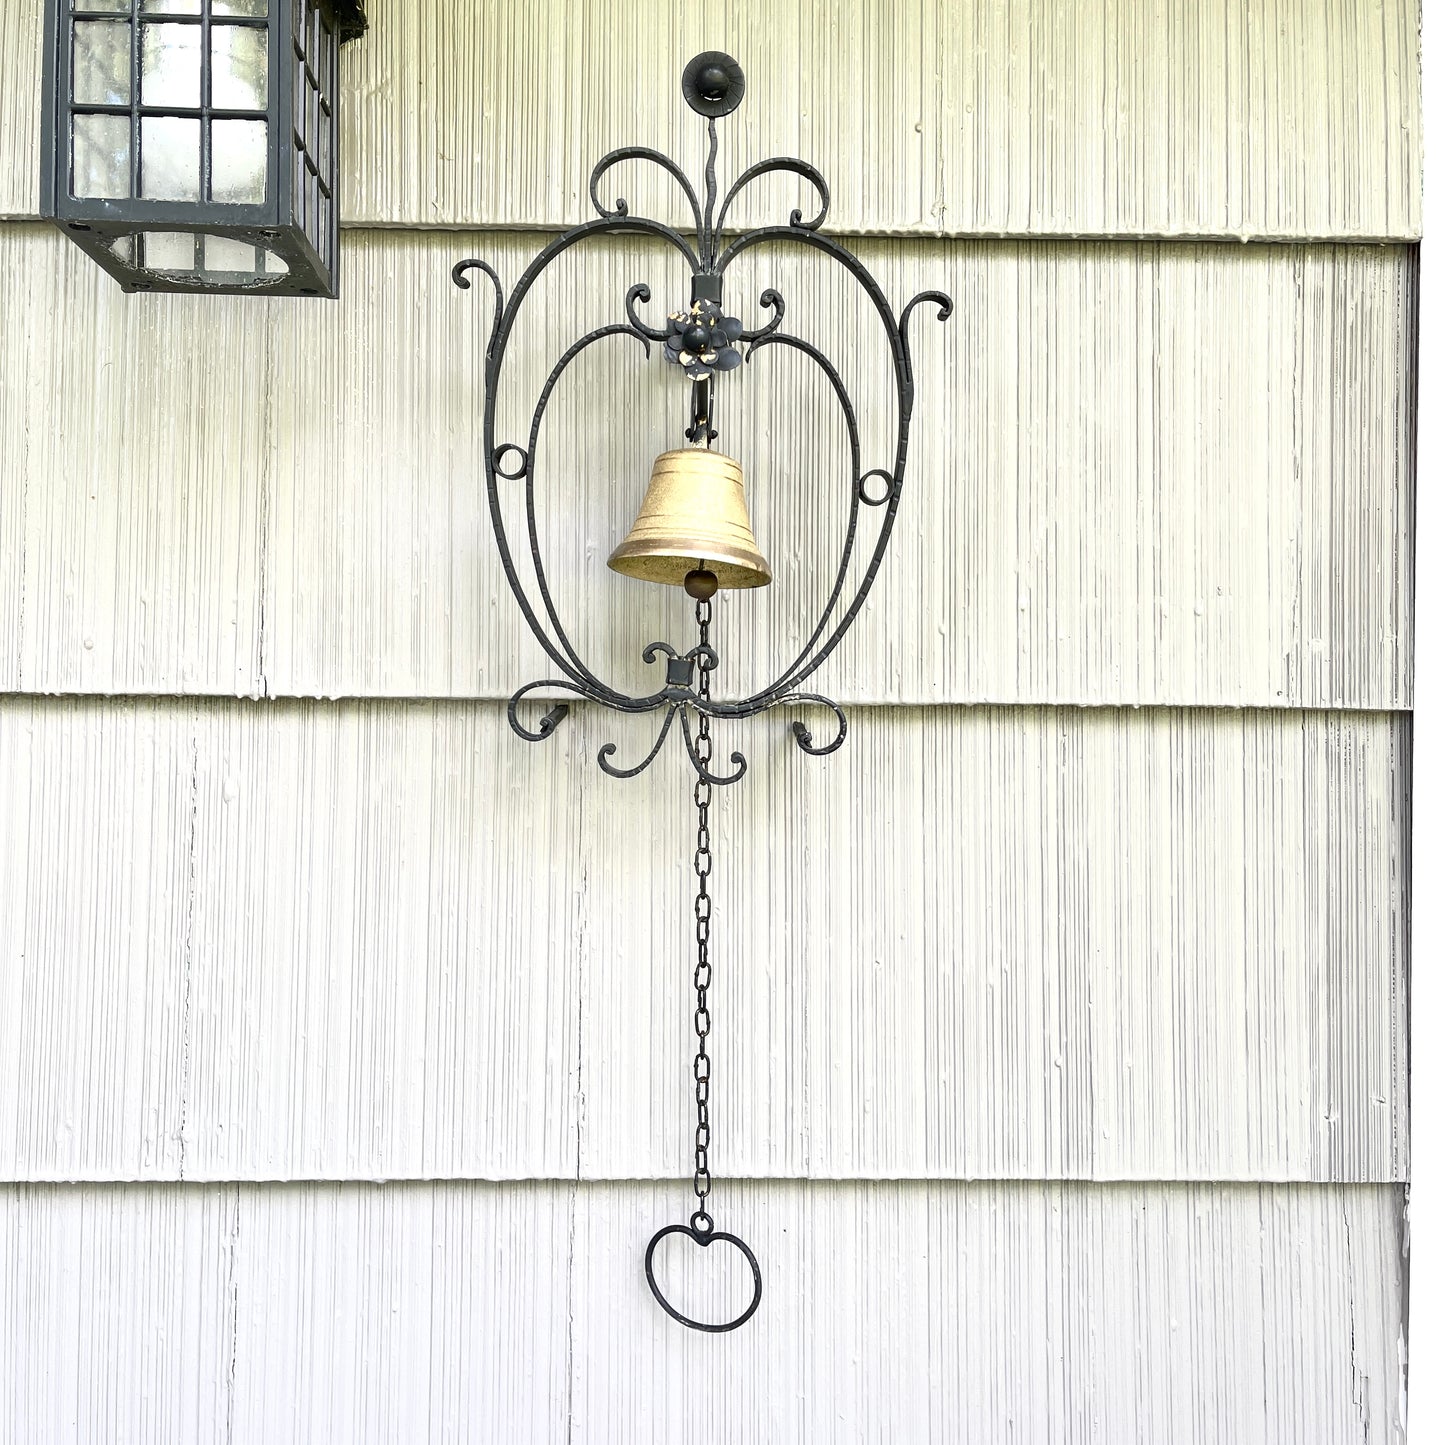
[1244, 118]
[389, 940]
[1140, 474]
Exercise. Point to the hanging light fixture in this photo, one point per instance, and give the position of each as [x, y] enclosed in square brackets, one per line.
[693, 528]
[190, 145]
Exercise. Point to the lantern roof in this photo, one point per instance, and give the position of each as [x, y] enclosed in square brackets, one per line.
[350, 18]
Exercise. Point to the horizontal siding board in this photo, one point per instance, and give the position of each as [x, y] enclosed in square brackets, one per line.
[390, 940]
[440, 1312]
[1246, 118]
[1141, 473]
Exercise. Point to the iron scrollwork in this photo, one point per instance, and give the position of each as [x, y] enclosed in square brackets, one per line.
[708, 255]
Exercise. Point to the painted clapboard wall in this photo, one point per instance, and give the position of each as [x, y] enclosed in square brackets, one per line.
[1062, 1023]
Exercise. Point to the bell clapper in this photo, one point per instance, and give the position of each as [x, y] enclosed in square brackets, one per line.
[700, 584]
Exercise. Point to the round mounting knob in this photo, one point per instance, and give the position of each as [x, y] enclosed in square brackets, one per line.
[713, 84]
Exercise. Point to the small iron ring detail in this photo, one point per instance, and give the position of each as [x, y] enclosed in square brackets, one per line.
[499, 456]
[705, 1238]
[866, 497]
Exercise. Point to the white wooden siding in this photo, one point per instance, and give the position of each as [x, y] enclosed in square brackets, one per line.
[1066, 1047]
[1245, 118]
[461, 1312]
[257, 941]
[1141, 473]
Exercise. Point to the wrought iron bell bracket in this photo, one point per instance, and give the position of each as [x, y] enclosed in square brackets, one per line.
[703, 342]
[713, 85]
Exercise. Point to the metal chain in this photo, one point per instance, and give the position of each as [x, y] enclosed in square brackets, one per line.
[702, 915]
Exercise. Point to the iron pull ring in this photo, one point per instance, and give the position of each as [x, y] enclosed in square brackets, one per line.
[704, 1238]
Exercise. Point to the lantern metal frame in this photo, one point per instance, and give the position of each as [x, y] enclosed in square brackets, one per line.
[708, 253]
[94, 223]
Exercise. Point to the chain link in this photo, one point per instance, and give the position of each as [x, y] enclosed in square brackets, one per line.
[702, 917]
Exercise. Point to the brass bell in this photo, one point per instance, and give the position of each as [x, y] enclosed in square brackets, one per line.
[693, 520]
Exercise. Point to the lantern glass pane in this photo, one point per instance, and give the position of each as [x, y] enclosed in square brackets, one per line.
[170, 158]
[101, 157]
[303, 194]
[102, 63]
[238, 162]
[170, 65]
[324, 60]
[115, 7]
[199, 256]
[254, 8]
[298, 186]
[313, 124]
[170, 7]
[323, 150]
[238, 67]
[168, 250]
[222, 253]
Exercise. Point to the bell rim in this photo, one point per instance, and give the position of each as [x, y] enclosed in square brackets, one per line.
[736, 568]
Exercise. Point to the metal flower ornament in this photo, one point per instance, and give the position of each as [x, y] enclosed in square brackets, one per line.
[693, 529]
[703, 341]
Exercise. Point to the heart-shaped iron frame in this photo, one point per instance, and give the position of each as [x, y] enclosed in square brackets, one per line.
[704, 1237]
[708, 254]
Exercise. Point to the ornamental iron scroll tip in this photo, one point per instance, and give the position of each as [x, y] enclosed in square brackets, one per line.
[705, 343]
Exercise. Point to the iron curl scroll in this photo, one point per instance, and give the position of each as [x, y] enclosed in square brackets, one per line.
[707, 250]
